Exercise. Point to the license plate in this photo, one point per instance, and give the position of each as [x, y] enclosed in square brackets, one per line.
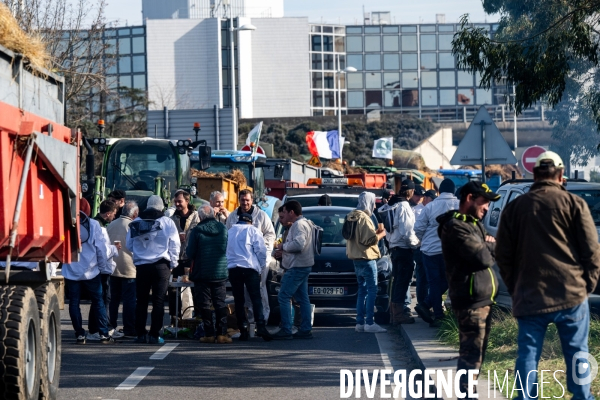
[335, 181]
[327, 291]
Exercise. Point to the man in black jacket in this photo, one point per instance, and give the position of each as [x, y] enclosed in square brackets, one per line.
[469, 255]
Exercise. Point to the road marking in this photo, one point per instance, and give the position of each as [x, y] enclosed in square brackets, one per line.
[135, 378]
[163, 351]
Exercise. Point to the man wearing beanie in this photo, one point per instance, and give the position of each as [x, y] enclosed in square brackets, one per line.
[154, 241]
[431, 251]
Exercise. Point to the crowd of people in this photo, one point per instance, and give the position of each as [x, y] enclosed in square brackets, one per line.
[546, 249]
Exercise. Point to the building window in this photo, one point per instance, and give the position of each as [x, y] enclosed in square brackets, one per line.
[429, 98]
[428, 61]
[390, 29]
[465, 78]
[327, 43]
[124, 32]
[317, 80]
[354, 44]
[445, 42]
[410, 80]
[409, 61]
[316, 42]
[373, 80]
[316, 61]
[372, 29]
[125, 46]
[409, 43]
[139, 63]
[339, 30]
[125, 81]
[328, 80]
[447, 97]
[356, 99]
[446, 28]
[328, 62]
[355, 81]
[226, 98]
[355, 60]
[390, 43]
[465, 97]
[124, 65]
[341, 59]
[225, 77]
[225, 58]
[315, 28]
[410, 98]
[391, 98]
[139, 82]
[391, 62]
[484, 96]
[374, 98]
[339, 44]
[372, 43]
[353, 29]
[429, 79]
[447, 79]
[329, 98]
[391, 80]
[408, 29]
[138, 44]
[317, 98]
[446, 60]
[427, 42]
[373, 62]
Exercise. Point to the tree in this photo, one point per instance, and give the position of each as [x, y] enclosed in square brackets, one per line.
[549, 50]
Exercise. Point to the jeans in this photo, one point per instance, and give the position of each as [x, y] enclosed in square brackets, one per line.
[153, 277]
[205, 294]
[421, 274]
[366, 275]
[92, 318]
[250, 278]
[295, 284]
[123, 289]
[94, 288]
[435, 267]
[403, 266]
[573, 326]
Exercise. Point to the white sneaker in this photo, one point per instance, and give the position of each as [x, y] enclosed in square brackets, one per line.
[374, 328]
[115, 334]
[294, 329]
[93, 336]
[359, 328]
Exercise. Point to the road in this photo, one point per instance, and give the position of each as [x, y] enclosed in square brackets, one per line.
[253, 370]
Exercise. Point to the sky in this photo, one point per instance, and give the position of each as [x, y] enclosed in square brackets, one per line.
[129, 12]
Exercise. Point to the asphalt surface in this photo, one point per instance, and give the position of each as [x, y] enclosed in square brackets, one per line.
[291, 369]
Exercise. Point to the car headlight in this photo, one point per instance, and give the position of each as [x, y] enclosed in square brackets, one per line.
[383, 264]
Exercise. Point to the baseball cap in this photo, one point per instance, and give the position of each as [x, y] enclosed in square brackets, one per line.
[117, 194]
[245, 218]
[386, 194]
[479, 189]
[549, 159]
[419, 190]
[431, 194]
[407, 184]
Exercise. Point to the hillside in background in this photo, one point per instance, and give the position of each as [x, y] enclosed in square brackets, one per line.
[288, 135]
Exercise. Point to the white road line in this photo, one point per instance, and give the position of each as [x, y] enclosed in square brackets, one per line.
[163, 351]
[135, 378]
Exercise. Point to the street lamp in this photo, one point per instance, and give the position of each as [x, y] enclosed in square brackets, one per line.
[339, 72]
[246, 27]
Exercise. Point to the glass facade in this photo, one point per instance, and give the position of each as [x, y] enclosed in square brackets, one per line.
[328, 47]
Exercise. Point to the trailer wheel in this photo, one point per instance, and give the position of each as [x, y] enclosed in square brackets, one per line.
[47, 301]
[19, 343]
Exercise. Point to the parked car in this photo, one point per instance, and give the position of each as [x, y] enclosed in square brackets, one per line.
[509, 191]
[332, 285]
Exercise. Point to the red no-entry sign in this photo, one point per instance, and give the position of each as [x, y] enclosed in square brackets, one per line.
[529, 156]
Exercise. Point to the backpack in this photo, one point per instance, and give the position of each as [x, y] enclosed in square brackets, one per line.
[317, 237]
[348, 229]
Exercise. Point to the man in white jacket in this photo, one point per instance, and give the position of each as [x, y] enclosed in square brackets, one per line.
[431, 251]
[260, 220]
[154, 241]
[402, 242]
[246, 259]
[85, 274]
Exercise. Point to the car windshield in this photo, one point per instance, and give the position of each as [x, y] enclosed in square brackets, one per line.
[592, 198]
[330, 221]
[341, 201]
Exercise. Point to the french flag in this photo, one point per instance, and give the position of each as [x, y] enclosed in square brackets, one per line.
[324, 144]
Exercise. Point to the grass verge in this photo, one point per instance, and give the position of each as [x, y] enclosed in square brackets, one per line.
[501, 354]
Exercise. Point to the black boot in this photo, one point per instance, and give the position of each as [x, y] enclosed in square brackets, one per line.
[263, 332]
[244, 332]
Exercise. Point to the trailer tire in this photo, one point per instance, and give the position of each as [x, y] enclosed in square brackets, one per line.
[19, 343]
[47, 301]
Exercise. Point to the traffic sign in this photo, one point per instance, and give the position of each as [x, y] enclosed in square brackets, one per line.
[315, 162]
[529, 156]
[470, 149]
